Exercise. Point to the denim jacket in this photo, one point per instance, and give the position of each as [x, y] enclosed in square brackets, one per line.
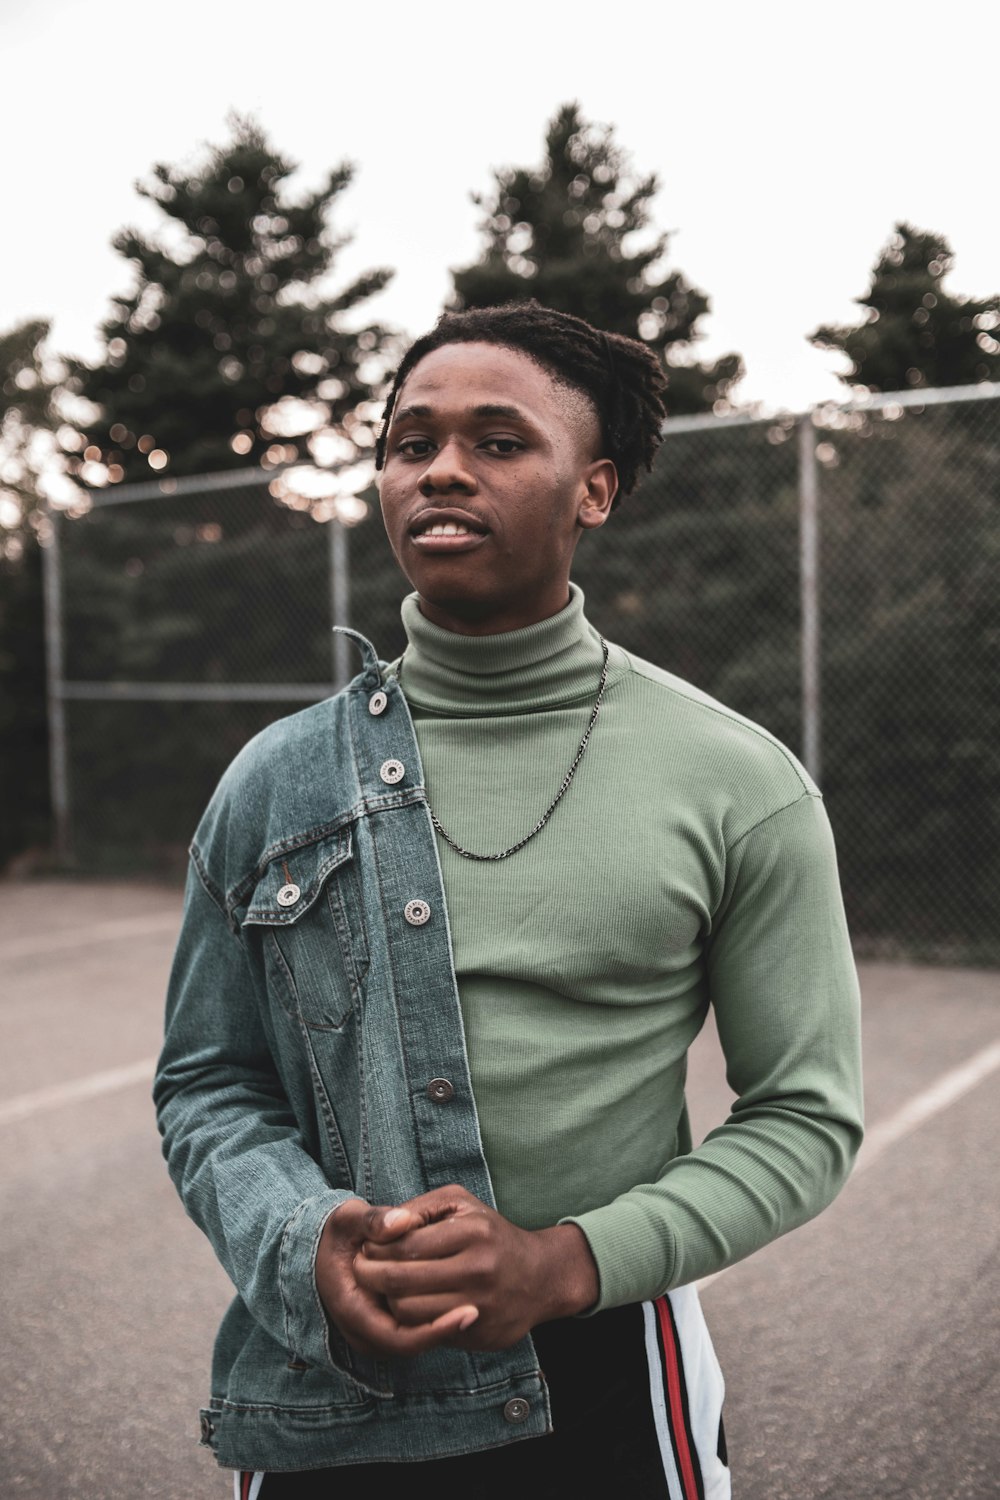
[314, 1052]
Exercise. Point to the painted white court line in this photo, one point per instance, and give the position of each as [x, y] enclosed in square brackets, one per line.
[22, 1106]
[922, 1107]
[949, 1087]
[39, 945]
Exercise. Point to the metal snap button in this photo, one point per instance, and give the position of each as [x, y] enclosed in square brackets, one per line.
[440, 1090]
[207, 1427]
[377, 703]
[289, 894]
[516, 1410]
[392, 771]
[416, 913]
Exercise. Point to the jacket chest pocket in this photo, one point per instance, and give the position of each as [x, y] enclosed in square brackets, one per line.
[307, 911]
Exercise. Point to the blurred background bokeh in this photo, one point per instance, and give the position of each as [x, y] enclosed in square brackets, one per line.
[186, 510]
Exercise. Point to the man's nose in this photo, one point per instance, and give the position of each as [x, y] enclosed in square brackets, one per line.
[447, 471]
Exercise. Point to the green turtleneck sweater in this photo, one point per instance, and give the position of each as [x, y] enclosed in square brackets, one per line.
[690, 863]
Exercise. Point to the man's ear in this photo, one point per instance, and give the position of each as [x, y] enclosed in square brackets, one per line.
[601, 481]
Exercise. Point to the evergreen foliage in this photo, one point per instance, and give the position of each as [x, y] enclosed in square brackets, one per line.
[914, 332]
[566, 233]
[27, 419]
[24, 797]
[225, 321]
[28, 416]
[23, 386]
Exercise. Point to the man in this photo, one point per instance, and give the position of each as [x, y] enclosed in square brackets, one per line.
[447, 939]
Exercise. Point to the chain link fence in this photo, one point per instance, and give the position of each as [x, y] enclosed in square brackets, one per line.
[835, 576]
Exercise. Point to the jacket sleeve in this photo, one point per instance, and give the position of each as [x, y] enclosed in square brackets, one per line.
[783, 985]
[231, 1142]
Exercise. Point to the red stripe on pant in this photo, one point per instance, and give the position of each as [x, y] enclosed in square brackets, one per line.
[671, 1358]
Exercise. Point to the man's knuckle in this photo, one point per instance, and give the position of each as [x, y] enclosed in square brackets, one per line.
[486, 1261]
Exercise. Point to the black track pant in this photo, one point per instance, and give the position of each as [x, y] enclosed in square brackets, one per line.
[636, 1399]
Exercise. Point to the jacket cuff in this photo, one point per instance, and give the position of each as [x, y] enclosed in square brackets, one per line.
[307, 1328]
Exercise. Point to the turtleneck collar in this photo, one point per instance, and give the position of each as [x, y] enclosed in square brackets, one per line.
[553, 663]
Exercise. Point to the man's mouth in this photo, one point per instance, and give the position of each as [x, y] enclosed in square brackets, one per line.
[446, 533]
[446, 528]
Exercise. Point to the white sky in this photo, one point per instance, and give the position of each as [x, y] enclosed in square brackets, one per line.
[788, 138]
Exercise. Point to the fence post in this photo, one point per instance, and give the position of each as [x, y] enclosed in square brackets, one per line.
[340, 600]
[809, 597]
[55, 702]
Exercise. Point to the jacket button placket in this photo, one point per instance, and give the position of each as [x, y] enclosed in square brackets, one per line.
[429, 1014]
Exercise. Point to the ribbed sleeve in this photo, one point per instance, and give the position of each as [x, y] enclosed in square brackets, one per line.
[782, 983]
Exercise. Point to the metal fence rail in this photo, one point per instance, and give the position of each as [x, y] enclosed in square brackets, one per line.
[834, 574]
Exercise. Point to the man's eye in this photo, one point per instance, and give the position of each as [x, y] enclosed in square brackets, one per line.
[503, 445]
[414, 447]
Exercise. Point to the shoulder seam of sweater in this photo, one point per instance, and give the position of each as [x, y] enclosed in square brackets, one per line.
[774, 813]
[731, 717]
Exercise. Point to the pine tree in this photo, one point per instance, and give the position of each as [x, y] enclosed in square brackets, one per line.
[914, 332]
[28, 478]
[565, 232]
[28, 417]
[224, 323]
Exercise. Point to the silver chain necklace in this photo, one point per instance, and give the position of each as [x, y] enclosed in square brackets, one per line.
[563, 787]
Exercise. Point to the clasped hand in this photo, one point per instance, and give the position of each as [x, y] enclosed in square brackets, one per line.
[445, 1268]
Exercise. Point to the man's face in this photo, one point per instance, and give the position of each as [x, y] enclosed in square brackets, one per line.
[492, 471]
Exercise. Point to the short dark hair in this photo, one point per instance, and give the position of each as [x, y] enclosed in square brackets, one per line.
[620, 376]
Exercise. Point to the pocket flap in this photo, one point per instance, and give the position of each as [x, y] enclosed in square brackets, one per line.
[291, 882]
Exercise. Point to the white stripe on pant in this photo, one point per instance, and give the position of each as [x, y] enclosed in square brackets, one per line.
[705, 1393]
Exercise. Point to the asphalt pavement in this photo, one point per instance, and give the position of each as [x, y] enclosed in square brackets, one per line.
[861, 1353]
